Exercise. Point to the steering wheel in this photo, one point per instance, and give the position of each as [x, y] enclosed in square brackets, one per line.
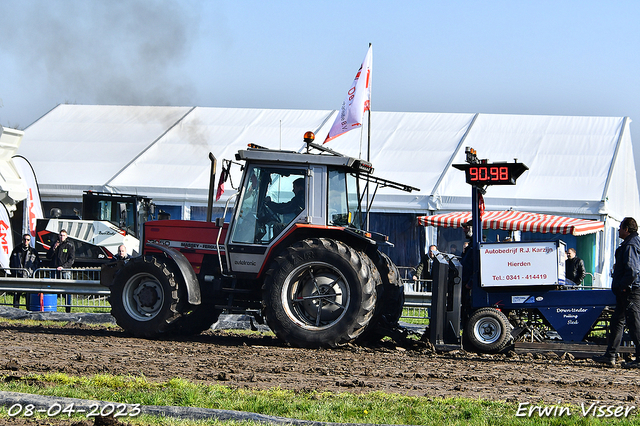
[266, 215]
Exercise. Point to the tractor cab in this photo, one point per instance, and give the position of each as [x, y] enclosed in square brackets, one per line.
[126, 211]
[275, 197]
[284, 192]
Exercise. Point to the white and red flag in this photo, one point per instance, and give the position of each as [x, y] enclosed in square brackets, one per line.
[223, 178]
[356, 103]
[6, 240]
[33, 206]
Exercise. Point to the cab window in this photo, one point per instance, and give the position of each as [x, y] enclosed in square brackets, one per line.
[121, 214]
[343, 203]
[271, 199]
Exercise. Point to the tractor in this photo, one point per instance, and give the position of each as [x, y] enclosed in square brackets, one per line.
[296, 254]
[108, 221]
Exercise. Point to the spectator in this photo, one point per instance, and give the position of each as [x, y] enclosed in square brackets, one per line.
[468, 272]
[23, 261]
[122, 253]
[465, 246]
[626, 287]
[453, 249]
[423, 270]
[467, 259]
[62, 254]
[574, 267]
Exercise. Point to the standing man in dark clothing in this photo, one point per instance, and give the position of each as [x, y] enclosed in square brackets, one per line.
[62, 254]
[423, 270]
[468, 271]
[626, 287]
[574, 268]
[23, 261]
[24, 257]
[467, 257]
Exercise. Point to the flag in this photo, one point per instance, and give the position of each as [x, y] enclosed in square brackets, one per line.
[6, 240]
[356, 102]
[223, 178]
[33, 205]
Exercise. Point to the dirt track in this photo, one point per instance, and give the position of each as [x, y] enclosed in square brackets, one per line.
[262, 362]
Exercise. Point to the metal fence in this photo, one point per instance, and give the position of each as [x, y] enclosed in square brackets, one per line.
[74, 288]
[80, 288]
[417, 295]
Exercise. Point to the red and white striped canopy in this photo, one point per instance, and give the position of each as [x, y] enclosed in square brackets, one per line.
[511, 220]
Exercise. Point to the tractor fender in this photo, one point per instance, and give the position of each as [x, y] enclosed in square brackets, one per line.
[189, 276]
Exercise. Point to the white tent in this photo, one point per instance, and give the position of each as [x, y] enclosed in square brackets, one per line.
[578, 166]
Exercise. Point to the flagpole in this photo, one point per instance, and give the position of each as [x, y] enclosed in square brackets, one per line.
[369, 127]
[368, 160]
[351, 115]
[368, 153]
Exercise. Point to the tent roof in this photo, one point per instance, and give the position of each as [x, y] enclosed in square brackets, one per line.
[511, 220]
[579, 166]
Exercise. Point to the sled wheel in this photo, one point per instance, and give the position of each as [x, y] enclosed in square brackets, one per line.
[488, 330]
[318, 293]
[144, 297]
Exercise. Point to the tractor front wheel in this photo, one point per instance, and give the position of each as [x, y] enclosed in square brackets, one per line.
[144, 297]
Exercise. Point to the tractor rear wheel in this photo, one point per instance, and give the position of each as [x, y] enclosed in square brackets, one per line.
[488, 330]
[144, 297]
[319, 293]
[393, 303]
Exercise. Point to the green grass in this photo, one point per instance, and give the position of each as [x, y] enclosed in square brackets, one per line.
[374, 407]
[414, 316]
[7, 299]
[50, 323]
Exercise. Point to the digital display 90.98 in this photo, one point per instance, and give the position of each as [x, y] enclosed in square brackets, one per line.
[483, 174]
[493, 173]
[490, 174]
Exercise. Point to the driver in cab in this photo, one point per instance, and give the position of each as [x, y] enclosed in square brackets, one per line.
[293, 206]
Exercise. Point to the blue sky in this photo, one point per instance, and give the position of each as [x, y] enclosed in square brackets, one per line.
[513, 57]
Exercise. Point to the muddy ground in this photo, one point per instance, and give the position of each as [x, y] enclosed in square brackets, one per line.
[262, 362]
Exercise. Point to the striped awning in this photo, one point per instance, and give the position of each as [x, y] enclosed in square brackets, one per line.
[511, 220]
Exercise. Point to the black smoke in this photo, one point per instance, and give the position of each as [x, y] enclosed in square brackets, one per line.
[125, 52]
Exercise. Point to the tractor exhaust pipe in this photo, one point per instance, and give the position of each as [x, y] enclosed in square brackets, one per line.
[212, 185]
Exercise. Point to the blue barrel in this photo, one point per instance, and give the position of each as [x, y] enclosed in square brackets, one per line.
[42, 302]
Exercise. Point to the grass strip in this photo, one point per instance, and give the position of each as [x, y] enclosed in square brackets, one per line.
[373, 407]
